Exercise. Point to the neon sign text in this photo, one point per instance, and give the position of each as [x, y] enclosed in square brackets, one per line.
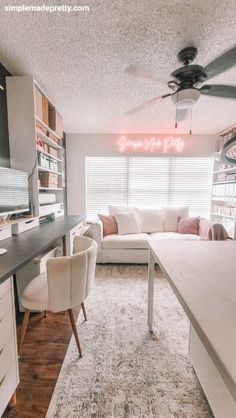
[151, 144]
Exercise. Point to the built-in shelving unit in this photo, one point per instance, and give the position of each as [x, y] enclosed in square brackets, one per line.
[223, 205]
[36, 143]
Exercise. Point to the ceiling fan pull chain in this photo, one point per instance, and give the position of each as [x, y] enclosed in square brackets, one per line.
[191, 120]
[176, 112]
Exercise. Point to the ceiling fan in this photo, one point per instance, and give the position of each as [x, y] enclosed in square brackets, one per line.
[187, 81]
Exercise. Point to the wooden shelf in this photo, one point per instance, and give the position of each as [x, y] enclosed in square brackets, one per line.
[223, 200]
[50, 188]
[49, 155]
[224, 182]
[49, 171]
[47, 140]
[47, 127]
[227, 170]
[222, 215]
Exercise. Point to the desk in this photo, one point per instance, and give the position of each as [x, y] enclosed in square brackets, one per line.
[202, 276]
[21, 249]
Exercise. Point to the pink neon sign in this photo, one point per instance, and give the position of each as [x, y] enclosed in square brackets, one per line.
[151, 144]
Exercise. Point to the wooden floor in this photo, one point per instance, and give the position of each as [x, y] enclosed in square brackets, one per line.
[44, 349]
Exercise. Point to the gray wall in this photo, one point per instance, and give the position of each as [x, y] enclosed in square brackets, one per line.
[4, 137]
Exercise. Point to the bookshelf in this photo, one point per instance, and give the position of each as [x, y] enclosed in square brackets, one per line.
[36, 143]
[223, 204]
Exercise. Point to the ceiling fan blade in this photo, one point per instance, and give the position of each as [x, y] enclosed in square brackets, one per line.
[219, 90]
[181, 115]
[147, 104]
[222, 63]
[141, 71]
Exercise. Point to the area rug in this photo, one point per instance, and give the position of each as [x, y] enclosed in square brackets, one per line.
[125, 372]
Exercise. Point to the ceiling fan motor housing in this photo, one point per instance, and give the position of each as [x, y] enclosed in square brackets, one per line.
[189, 75]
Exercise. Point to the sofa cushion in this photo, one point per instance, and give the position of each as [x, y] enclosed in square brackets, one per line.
[125, 241]
[109, 224]
[171, 215]
[127, 223]
[117, 209]
[174, 235]
[150, 220]
[189, 225]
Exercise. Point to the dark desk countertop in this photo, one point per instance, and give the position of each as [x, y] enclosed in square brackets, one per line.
[24, 247]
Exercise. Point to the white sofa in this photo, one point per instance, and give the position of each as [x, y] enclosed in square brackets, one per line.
[133, 248]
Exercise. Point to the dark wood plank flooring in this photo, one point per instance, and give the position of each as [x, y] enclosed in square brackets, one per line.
[44, 349]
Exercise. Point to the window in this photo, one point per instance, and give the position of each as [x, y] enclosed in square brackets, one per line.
[149, 182]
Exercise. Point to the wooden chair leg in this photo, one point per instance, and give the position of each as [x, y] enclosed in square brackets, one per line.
[23, 329]
[12, 401]
[44, 314]
[73, 324]
[84, 311]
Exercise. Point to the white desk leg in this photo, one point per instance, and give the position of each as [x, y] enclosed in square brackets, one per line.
[151, 270]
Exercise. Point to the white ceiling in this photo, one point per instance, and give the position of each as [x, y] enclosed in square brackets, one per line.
[80, 58]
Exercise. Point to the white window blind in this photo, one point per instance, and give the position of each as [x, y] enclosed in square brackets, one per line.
[106, 183]
[149, 182]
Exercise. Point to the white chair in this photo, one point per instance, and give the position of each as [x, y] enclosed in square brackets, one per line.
[65, 285]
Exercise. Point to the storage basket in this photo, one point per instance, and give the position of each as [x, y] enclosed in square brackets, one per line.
[43, 161]
[48, 179]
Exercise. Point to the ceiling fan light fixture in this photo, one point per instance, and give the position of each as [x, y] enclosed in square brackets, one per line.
[186, 98]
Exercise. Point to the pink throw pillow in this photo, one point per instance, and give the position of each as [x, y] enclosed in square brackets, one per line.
[188, 225]
[109, 224]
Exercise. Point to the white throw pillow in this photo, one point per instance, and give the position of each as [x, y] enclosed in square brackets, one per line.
[171, 215]
[115, 209]
[127, 223]
[150, 220]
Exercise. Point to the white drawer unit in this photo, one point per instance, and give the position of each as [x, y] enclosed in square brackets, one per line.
[24, 225]
[77, 230]
[9, 374]
[5, 232]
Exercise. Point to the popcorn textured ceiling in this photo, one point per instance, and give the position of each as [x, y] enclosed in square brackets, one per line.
[79, 59]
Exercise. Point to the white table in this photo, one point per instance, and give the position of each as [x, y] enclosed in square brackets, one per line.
[202, 275]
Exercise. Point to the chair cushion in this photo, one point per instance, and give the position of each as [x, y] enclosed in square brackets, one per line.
[35, 295]
[174, 235]
[126, 241]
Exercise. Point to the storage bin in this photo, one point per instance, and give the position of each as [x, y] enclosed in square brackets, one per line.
[48, 179]
[45, 111]
[41, 146]
[55, 121]
[47, 198]
[54, 138]
[43, 161]
[52, 151]
[53, 164]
